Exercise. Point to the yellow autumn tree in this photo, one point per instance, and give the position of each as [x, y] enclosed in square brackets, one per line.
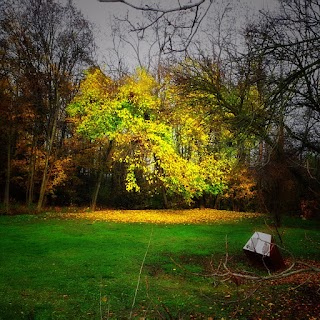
[93, 113]
[210, 124]
[170, 151]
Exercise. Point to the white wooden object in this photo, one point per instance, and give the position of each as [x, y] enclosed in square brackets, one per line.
[259, 243]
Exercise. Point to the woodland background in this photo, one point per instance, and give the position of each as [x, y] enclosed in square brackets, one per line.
[210, 116]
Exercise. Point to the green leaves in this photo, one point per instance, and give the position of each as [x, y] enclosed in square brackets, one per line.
[165, 139]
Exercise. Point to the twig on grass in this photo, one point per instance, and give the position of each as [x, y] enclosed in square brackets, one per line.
[300, 285]
[224, 273]
[140, 272]
[275, 227]
[100, 304]
[311, 240]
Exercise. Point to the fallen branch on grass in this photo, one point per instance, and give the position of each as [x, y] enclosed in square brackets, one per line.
[289, 271]
[224, 273]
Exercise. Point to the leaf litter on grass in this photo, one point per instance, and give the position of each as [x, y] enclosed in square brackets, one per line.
[188, 216]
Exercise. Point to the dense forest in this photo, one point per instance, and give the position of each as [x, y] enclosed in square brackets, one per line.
[207, 124]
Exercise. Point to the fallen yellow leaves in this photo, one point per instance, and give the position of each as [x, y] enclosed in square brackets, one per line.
[192, 216]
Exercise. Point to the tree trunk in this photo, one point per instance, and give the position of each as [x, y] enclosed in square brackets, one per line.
[103, 162]
[30, 189]
[261, 153]
[96, 191]
[164, 197]
[46, 166]
[8, 176]
[32, 169]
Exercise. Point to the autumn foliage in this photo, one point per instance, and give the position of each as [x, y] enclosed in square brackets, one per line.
[195, 216]
[162, 143]
[193, 132]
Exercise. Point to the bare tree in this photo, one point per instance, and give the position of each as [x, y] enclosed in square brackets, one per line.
[289, 43]
[181, 20]
[47, 46]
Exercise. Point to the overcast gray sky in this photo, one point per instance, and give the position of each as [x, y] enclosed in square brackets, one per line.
[101, 14]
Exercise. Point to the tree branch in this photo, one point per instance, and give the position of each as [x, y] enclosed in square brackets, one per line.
[155, 9]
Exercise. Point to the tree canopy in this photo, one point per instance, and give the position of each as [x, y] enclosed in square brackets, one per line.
[162, 142]
[214, 117]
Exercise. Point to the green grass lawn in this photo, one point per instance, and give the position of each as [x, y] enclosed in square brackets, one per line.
[55, 268]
